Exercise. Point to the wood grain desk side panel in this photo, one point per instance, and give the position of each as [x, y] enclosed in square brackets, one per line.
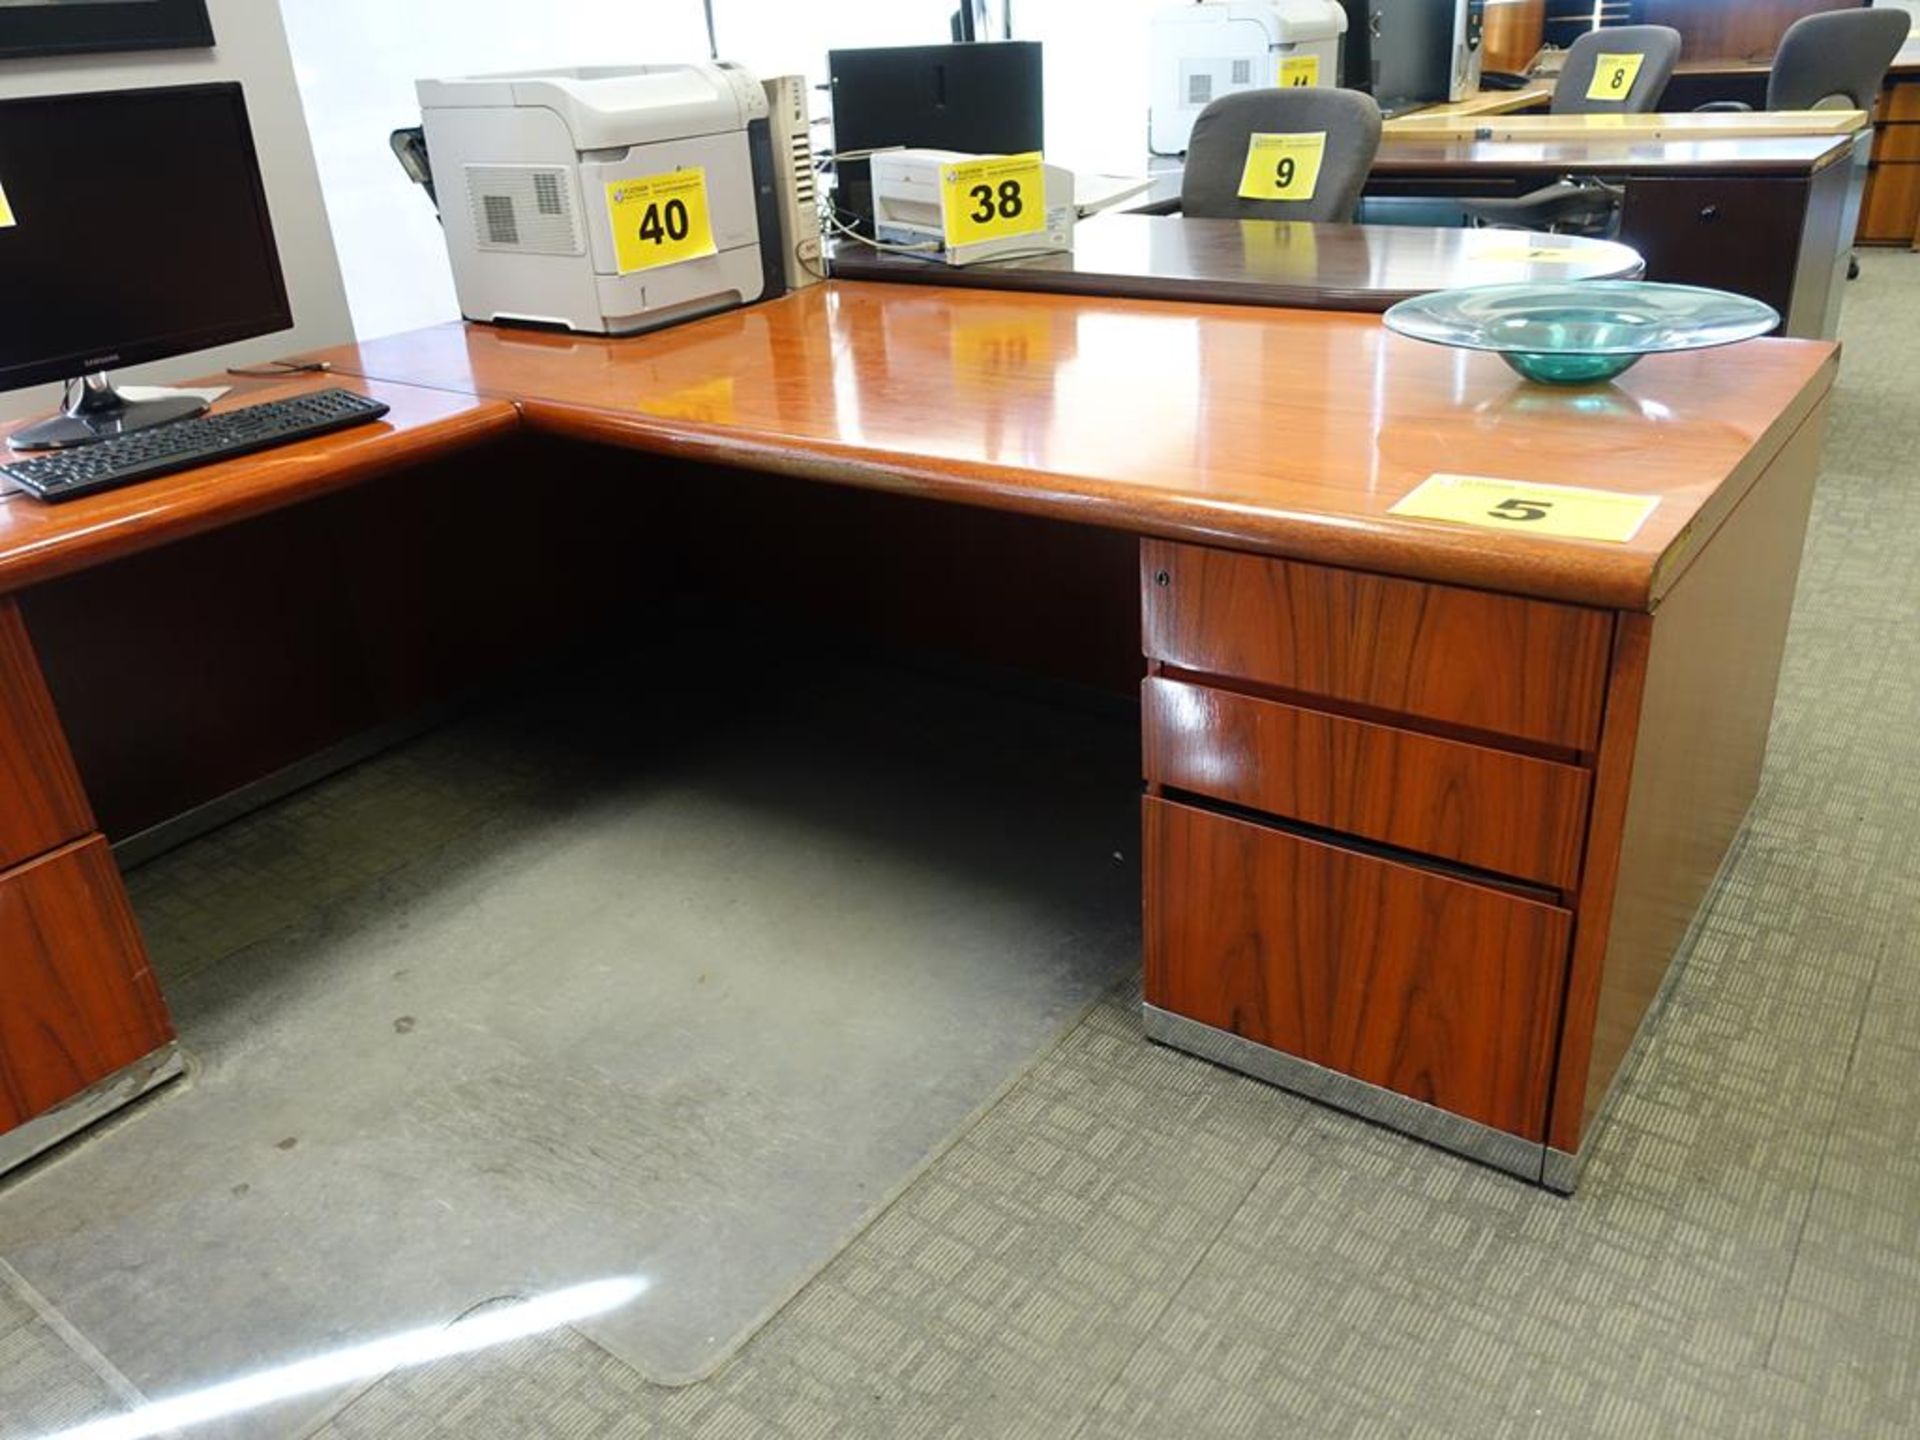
[1487, 663]
[1514, 815]
[81, 1002]
[1437, 989]
[42, 803]
[39, 542]
[1688, 713]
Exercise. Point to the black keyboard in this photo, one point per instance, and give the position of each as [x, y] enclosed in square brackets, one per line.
[181, 444]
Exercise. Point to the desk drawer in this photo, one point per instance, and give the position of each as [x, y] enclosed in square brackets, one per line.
[1437, 989]
[1512, 814]
[42, 805]
[1530, 669]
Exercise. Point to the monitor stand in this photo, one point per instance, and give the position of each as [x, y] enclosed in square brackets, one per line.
[99, 412]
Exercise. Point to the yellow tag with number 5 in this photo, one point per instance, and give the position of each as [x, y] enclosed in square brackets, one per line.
[1283, 167]
[1613, 76]
[660, 219]
[1570, 512]
[1299, 71]
[993, 197]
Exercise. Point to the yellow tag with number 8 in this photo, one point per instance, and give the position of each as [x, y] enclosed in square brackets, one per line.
[1283, 167]
[1613, 76]
[993, 197]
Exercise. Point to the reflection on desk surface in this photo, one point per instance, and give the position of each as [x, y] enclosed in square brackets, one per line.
[1339, 267]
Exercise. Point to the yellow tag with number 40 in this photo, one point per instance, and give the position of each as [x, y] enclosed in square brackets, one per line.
[660, 219]
[1299, 71]
[993, 197]
[1570, 512]
[1613, 76]
[1283, 167]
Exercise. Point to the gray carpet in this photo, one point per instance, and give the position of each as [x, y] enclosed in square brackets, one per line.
[1131, 1243]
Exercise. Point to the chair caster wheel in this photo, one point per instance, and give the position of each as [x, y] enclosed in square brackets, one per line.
[1853, 267]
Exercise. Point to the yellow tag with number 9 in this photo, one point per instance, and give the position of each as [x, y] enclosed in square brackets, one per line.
[993, 197]
[1299, 71]
[660, 219]
[1283, 167]
[1613, 76]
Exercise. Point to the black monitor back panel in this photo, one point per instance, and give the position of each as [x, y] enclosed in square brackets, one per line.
[982, 99]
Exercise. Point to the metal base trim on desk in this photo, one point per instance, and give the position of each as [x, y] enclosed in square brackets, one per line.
[1513, 1154]
[95, 1103]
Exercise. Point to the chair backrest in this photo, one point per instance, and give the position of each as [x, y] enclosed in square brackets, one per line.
[1839, 57]
[1218, 155]
[1585, 88]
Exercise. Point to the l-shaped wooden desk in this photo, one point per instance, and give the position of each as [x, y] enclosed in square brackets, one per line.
[1429, 808]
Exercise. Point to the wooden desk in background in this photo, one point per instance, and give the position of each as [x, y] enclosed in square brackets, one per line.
[1264, 262]
[1429, 807]
[1481, 103]
[1712, 125]
[1770, 217]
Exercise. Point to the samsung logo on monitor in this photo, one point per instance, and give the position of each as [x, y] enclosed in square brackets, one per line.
[100, 362]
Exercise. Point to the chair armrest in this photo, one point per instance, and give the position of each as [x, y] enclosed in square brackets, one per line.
[1725, 107]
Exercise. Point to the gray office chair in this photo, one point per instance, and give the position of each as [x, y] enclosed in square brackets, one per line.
[1659, 45]
[1833, 61]
[1217, 153]
[1588, 207]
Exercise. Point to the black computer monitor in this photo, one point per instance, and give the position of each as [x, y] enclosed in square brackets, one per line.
[983, 99]
[139, 230]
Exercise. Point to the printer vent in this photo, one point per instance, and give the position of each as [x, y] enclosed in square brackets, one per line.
[1199, 87]
[524, 208]
[1243, 71]
[501, 227]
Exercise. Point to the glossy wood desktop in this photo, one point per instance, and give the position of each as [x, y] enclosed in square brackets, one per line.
[1263, 262]
[1428, 807]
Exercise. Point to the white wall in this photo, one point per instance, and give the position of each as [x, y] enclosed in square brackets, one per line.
[251, 48]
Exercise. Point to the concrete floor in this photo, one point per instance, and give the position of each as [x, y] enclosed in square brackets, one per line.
[1132, 1243]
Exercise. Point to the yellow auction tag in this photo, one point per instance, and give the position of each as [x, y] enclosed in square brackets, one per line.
[660, 219]
[992, 197]
[1566, 511]
[1283, 167]
[1299, 71]
[6, 210]
[1613, 76]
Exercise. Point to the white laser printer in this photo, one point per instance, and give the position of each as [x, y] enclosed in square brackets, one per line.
[1204, 50]
[614, 199]
[907, 210]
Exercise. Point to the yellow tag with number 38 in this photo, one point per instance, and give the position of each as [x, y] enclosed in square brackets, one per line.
[1613, 76]
[1283, 167]
[992, 197]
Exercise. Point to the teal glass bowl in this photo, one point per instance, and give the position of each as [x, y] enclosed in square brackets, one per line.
[1581, 332]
